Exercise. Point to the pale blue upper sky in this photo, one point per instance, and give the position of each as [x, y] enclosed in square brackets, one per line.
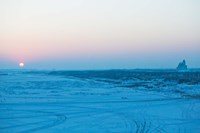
[99, 34]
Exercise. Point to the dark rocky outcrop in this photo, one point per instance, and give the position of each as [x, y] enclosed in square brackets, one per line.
[182, 66]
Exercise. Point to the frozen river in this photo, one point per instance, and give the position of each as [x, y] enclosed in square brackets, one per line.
[117, 101]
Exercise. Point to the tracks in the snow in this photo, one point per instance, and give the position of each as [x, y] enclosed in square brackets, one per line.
[44, 116]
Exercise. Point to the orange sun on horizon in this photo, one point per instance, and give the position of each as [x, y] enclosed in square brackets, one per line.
[21, 64]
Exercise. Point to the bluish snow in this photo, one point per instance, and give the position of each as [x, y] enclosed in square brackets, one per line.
[60, 102]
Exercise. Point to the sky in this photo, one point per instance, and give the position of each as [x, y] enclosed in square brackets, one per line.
[99, 34]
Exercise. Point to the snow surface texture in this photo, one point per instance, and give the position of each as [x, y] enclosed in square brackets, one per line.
[115, 101]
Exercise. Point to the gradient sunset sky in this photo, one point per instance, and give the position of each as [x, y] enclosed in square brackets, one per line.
[99, 34]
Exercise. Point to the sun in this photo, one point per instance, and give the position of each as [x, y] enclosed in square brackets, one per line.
[21, 64]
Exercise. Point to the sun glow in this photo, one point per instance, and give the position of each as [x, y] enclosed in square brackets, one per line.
[21, 64]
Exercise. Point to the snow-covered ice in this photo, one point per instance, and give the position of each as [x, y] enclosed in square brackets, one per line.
[115, 101]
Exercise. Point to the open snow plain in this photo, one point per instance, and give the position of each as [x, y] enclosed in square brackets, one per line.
[115, 101]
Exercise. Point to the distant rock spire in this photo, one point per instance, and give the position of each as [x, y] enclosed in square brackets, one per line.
[182, 65]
